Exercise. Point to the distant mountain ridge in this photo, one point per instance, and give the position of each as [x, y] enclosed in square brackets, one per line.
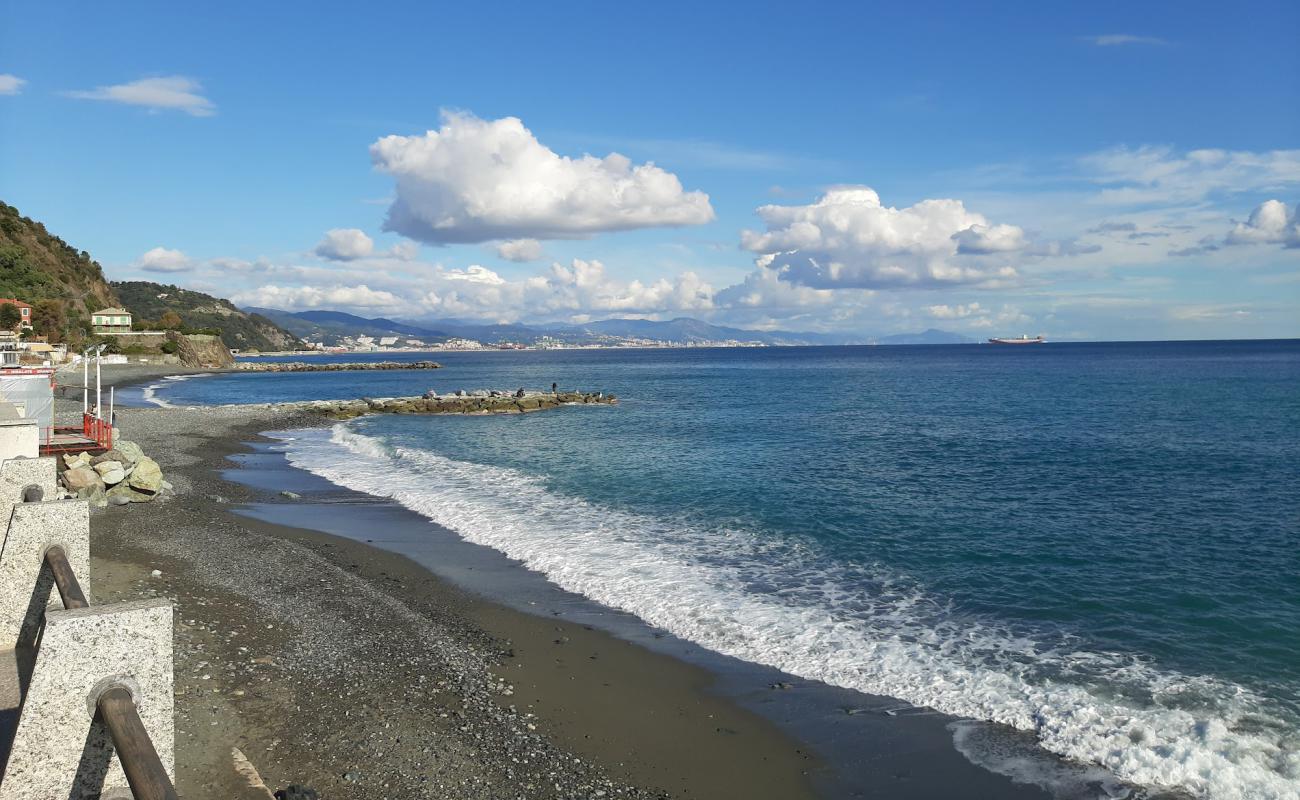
[332, 326]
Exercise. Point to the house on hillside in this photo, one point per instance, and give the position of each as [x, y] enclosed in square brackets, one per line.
[24, 312]
[111, 321]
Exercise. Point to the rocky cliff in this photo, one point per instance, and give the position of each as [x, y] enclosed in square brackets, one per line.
[204, 351]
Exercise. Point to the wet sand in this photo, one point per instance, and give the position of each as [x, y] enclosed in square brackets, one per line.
[354, 671]
[351, 668]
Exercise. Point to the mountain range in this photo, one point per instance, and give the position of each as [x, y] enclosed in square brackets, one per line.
[331, 327]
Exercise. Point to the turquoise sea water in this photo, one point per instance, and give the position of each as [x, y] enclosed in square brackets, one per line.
[1097, 543]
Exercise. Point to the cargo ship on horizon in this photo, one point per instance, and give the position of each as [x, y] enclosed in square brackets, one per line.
[1024, 339]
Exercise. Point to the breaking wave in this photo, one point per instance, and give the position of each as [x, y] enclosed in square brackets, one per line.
[784, 602]
[150, 392]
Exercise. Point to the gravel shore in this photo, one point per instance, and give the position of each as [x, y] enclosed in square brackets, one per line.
[356, 672]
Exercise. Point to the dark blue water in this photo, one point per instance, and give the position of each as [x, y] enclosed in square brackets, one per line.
[1100, 543]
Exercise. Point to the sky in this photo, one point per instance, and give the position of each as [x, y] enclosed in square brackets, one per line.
[1082, 171]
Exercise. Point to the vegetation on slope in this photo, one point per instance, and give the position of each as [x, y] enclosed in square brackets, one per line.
[63, 284]
[159, 305]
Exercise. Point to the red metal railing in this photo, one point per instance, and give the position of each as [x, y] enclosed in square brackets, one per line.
[94, 434]
[98, 430]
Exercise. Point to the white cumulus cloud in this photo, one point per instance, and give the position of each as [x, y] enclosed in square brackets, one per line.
[292, 298]
[848, 238]
[160, 259]
[476, 180]
[11, 84]
[958, 311]
[345, 244]
[520, 250]
[984, 239]
[1270, 223]
[167, 93]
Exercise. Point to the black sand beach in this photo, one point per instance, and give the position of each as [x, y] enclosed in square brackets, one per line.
[355, 670]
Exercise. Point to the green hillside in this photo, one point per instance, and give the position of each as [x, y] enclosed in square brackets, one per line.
[63, 284]
[149, 301]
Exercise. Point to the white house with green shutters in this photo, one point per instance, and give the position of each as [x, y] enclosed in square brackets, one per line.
[111, 321]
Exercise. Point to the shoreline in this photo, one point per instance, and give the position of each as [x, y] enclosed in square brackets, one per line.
[877, 746]
[871, 745]
[655, 729]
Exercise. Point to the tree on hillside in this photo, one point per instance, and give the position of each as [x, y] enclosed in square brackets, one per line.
[51, 317]
[9, 316]
[170, 321]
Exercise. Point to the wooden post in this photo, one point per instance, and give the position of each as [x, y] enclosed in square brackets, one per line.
[144, 770]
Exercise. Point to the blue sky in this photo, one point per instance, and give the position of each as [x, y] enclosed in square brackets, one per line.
[1106, 171]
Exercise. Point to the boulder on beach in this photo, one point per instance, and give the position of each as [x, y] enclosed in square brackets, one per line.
[110, 471]
[122, 494]
[83, 481]
[147, 476]
[80, 459]
[128, 452]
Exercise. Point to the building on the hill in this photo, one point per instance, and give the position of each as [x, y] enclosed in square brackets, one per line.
[24, 312]
[110, 321]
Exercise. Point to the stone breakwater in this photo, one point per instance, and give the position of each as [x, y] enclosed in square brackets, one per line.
[303, 366]
[479, 402]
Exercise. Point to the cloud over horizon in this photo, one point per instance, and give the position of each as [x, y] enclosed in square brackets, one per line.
[345, 244]
[11, 84]
[1117, 39]
[176, 93]
[1270, 223]
[520, 250]
[848, 238]
[476, 180]
[161, 259]
[1163, 175]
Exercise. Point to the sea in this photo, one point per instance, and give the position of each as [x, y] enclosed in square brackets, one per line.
[1097, 544]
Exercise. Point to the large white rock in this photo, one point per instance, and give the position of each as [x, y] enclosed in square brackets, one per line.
[111, 471]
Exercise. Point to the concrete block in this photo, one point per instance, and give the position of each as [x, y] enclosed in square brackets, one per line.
[17, 474]
[26, 584]
[20, 438]
[61, 750]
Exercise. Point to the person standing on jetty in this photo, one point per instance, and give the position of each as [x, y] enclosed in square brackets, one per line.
[554, 388]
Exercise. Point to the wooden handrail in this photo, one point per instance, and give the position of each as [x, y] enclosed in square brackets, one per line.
[65, 579]
[144, 770]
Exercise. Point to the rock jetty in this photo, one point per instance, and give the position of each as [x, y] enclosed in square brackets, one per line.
[483, 401]
[118, 476]
[303, 366]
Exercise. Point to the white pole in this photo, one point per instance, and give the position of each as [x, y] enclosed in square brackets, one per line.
[85, 382]
[111, 394]
[98, 400]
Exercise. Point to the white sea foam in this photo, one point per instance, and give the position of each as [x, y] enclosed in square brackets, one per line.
[775, 603]
[150, 393]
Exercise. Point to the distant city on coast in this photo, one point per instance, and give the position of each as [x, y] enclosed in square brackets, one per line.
[567, 401]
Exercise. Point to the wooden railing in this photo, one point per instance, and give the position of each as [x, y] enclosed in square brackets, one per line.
[115, 706]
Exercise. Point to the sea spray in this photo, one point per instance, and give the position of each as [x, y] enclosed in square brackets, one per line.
[784, 604]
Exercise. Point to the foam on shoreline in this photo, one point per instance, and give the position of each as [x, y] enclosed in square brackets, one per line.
[776, 603]
[150, 392]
